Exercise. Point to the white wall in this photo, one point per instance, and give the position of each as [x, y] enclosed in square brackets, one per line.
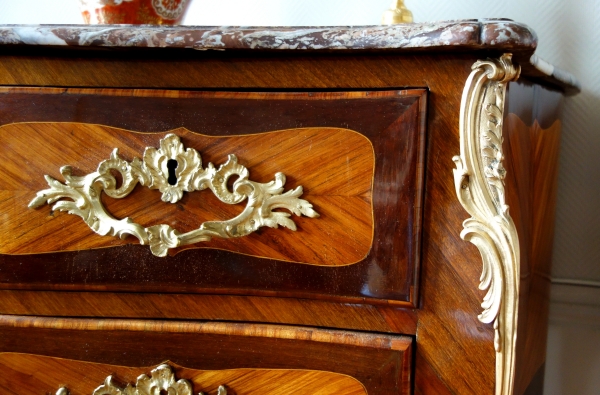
[568, 38]
[573, 355]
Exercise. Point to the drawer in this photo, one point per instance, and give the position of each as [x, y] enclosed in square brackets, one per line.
[343, 222]
[80, 355]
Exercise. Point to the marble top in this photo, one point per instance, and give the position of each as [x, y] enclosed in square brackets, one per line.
[499, 35]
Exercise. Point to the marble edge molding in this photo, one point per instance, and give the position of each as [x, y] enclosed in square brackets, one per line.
[473, 34]
[491, 34]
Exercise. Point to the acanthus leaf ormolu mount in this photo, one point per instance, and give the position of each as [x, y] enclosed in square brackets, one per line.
[161, 380]
[479, 182]
[173, 170]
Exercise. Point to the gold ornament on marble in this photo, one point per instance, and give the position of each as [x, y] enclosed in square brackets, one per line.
[161, 379]
[479, 181]
[173, 170]
[398, 13]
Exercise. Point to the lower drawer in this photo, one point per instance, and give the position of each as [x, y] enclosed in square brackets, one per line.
[77, 377]
[42, 355]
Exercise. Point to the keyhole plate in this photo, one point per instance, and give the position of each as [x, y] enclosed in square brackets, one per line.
[171, 166]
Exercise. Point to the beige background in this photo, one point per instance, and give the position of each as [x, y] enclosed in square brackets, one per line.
[568, 38]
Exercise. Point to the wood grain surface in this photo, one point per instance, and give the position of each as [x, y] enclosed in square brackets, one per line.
[532, 135]
[334, 166]
[455, 350]
[22, 375]
[380, 363]
[427, 381]
[319, 313]
[454, 346]
[383, 231]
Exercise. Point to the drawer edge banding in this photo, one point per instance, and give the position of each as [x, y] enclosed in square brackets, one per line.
[154, 343]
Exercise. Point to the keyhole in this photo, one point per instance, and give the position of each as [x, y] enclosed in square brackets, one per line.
[172, 165]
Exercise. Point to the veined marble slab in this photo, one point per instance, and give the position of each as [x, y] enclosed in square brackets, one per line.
[467, 35]
[472, 34]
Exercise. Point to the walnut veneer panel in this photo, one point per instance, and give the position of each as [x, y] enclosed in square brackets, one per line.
[380, 363]
[28, 374]
[339, 187]
[388, 125]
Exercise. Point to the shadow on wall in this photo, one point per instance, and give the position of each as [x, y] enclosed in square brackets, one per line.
[576, 247]
[578, 347]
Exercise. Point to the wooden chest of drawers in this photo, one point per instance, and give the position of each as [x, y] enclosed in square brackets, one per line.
[298, 208]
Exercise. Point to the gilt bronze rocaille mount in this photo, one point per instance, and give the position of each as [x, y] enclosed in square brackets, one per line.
[161, 380]
[173, 170]
[479, 182]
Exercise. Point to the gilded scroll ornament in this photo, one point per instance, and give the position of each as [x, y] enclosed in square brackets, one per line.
[479, 182]
[174, 170]
[161, 380]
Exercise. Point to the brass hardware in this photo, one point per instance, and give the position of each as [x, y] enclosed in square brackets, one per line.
[398, 13]
[162, 379]
[479, 181]
[153, 172]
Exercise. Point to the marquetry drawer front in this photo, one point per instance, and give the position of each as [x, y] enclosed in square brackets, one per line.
[82, 356]
[258, 193]
[77, 377]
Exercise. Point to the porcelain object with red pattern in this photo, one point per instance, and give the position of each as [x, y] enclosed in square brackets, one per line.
[136, 12]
